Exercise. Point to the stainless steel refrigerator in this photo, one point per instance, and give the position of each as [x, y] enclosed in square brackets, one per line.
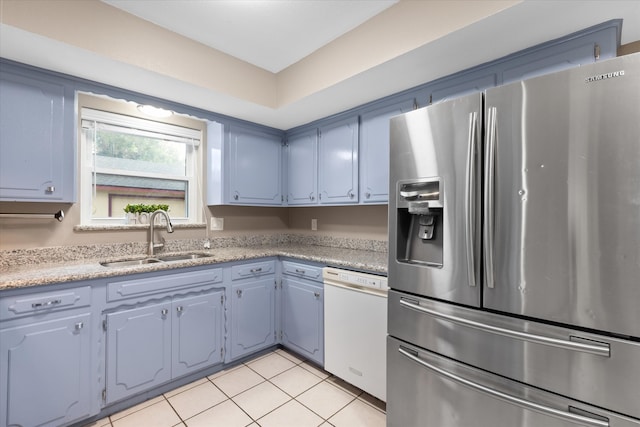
[514, 255]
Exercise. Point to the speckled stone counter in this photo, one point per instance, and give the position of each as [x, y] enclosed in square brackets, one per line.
[24, 268]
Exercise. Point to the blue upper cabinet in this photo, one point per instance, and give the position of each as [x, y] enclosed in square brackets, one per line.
[338, 162]
[254, 162]
[302, 168]
[593, 44]
[461, 84]
[37, 150]
[584, 49]
[374, 150]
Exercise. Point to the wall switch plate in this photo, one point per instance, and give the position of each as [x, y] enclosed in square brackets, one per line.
[314, 224]
[217, 224]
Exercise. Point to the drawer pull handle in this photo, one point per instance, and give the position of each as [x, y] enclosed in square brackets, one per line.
[256, 270]
[316, 294]
[46, 304]
[599, 349]
[499, 394]
[300, 271]
[79, 326]
[239, 293]
[164, 312]
[179, 309]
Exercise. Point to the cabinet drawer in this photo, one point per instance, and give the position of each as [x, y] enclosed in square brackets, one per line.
[256, 269]
[44, 302]
[122, 289]
[302, 270]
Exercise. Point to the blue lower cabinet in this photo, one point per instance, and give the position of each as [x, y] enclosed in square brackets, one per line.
[138, 350]
[197, 338]
[252, 316]
[303, 318]
[150, 345]
[45, 370]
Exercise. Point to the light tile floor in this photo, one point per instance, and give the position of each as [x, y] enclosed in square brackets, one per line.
[275, 390]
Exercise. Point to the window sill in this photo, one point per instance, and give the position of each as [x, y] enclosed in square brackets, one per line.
[121, 227]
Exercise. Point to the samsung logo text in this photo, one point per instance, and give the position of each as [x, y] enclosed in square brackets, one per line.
[604, 76]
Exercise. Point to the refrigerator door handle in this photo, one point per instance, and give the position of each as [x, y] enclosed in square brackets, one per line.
[470, 207]
[597, 349]
[514, 400]
[489, 196]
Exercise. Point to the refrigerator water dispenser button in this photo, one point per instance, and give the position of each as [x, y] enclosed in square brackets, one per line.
[427, 223]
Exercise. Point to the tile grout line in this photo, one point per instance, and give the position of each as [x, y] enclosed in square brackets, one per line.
[298, 362]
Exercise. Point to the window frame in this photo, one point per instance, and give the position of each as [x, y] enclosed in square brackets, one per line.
[193, 162]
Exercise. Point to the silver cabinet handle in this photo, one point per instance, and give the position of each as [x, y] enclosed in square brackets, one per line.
[316, 294]
[164, 311]
[597, 349]
[46, 304]
[79, 326]
[527, 404]
[179, 309]
[300, 271]
[470, 205]
[367, 195]
[51, 189]
[350, 194]
[235, 197]
[256, 270]
[489, 195]
[239, 293]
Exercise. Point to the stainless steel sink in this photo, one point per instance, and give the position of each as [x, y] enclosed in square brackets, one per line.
[130, 262]
[182, 257]
[154, 260]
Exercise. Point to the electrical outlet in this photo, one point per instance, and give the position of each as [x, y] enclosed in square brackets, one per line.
[314, 224]
[217, 224]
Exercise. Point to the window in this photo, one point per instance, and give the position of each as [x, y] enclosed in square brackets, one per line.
[129, 160]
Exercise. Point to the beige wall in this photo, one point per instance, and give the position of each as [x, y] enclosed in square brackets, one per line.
[628, 48]
[366, 222]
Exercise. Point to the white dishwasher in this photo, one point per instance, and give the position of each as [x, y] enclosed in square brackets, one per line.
[355, 329]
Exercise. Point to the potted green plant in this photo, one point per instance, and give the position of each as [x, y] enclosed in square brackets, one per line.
[139, 213]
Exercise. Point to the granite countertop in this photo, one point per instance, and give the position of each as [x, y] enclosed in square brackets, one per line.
[38, 274]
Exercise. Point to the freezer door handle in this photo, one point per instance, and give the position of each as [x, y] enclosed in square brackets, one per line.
[470, 206]
[489, 196]
[598, 349]
[514, 400]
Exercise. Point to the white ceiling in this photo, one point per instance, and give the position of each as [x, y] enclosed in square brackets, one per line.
[271, 34]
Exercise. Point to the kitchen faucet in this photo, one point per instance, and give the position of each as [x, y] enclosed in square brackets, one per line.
[152, 221]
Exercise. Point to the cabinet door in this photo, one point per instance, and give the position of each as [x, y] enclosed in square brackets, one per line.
[583, 50]
[197, 332]
[338, 163]
[252, 316]
[255, 167]
[32, 152]
[138, 350]
[374, 151]
[303, 318]
[302, 168]
[46, 372]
